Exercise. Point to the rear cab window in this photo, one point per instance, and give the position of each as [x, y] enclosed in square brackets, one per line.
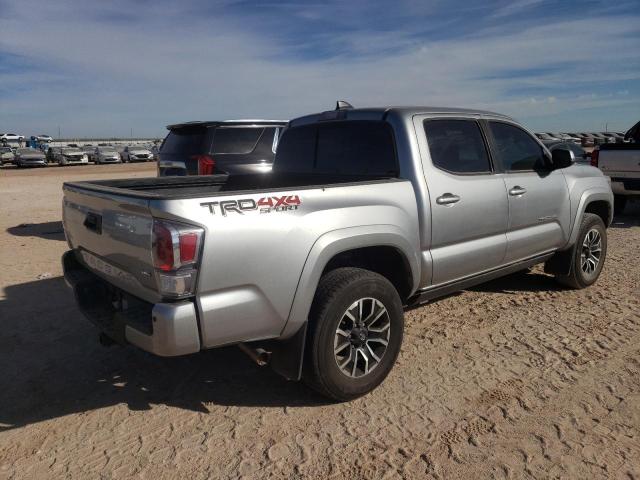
[362, 148]
[235, 139]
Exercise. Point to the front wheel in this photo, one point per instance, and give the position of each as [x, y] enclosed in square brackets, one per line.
[589, 253]
[355, 333]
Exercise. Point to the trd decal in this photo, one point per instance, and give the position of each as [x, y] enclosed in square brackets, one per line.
[263, 205]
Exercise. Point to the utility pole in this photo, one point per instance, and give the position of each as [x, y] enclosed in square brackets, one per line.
[59, 132]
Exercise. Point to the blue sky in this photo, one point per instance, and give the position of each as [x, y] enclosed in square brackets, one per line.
[98, 68]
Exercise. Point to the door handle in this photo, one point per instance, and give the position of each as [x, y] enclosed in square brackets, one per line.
[517, 190]
[447, 199]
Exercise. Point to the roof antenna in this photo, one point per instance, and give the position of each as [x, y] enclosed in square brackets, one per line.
[343, 105]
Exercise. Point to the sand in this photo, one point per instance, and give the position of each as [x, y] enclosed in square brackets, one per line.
[517, 378]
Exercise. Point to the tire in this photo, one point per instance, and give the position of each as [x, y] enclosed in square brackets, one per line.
[619, 203]
[338, 293]
[579, 274]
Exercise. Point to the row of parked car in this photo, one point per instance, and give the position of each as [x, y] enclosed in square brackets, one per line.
[586, 139]
[73, 154]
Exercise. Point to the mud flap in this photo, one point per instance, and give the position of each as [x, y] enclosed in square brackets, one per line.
[560, 263]
[287, 355]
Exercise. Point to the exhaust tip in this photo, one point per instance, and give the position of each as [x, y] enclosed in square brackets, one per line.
[260, 356]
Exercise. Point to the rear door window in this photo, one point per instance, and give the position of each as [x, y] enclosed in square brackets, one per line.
[235, 139]
[457, 146]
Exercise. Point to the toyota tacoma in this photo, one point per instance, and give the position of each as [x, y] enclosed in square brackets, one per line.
[367, 212]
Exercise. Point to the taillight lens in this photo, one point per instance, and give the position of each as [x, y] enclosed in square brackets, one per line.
[206, 164]
[595, 157]
[188, 247]
[163, 247]
[176, 248]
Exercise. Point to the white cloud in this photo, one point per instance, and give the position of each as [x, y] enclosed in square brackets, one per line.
[515, 7]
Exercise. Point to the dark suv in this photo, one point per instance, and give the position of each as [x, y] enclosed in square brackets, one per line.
[232, 147]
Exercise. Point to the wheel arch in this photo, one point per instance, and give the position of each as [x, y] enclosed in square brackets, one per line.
[598, 201]
[356, 247]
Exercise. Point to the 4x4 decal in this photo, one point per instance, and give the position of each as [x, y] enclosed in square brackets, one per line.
[284, 203]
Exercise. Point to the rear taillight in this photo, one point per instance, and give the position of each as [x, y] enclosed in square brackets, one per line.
[595, 157]
[162, 247]
[206, 164]
[189, 247]
[176, 248]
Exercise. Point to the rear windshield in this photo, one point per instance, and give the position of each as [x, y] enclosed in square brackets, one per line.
[235, 139]
[185, 141]
[349, 148]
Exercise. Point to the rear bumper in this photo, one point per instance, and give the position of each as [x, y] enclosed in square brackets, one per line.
[33, 163]
[165, 329]
[625, 186]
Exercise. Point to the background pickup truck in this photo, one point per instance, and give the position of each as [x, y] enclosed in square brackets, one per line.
[621, 162]
[366, 211]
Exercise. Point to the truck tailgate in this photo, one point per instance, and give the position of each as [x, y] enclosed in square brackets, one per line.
[620, 160]
[111, 235]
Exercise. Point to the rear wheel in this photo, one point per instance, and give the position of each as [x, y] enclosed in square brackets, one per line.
[589, 253]
[356, 329]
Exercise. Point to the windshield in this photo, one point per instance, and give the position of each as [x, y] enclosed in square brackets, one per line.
[27, 150]
[71, 150]
[107, 150]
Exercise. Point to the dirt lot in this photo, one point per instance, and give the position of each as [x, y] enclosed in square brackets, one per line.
[517, 378]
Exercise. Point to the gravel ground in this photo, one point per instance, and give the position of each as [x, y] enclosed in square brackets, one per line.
[517, 378]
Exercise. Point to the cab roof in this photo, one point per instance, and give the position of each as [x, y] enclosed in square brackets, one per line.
[379, 113]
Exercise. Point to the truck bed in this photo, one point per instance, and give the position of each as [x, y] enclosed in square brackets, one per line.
[168, 188]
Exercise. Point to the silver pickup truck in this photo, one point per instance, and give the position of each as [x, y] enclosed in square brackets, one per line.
[367, 212]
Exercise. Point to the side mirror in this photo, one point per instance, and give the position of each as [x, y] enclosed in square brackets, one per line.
[562, 158]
